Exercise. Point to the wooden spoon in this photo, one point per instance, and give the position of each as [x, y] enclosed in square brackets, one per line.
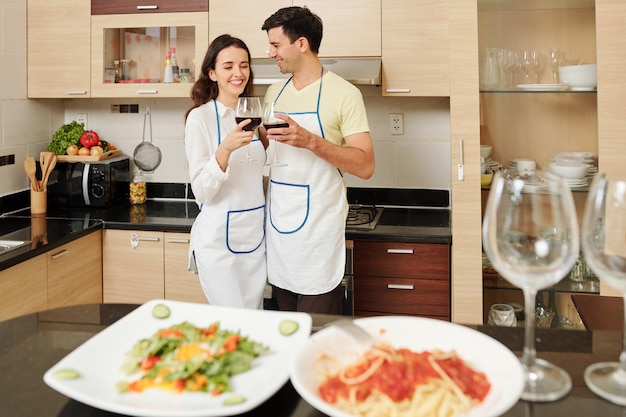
[50, 164]
[30, 167]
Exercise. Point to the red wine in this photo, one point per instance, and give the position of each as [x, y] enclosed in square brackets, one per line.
[275, 125]
[256, 121]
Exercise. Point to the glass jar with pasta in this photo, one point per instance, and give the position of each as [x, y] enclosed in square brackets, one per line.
[138, 190]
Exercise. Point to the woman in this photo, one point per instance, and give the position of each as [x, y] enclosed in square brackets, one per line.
[227, 246]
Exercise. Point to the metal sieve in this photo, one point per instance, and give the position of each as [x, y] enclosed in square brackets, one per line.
[147, 156]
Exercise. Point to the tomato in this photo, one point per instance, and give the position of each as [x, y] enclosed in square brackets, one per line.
[149, 362]
[89, 138]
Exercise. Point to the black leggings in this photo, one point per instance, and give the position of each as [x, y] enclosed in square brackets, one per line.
[328, 303]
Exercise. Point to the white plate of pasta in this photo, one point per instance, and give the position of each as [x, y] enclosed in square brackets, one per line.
[417, 367]
[189, 342]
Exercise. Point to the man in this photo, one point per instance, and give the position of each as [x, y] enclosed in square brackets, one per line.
[328, 135]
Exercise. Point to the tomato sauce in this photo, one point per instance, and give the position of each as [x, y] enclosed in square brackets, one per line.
[397, 379]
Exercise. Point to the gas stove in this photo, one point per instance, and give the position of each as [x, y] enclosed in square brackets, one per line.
[363, 217]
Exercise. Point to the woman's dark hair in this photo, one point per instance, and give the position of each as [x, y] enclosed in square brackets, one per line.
[297, 22]
[205, 89]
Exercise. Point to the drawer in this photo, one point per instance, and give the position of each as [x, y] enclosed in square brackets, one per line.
[402, 260]
[147, 6]
[402, 296]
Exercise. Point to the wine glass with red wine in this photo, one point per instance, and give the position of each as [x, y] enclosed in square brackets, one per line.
[249, 108]
[270, 121]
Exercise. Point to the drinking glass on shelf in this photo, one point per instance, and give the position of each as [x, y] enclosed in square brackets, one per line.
[603, 238]
[270, 121]
[555, 58]
[530, 235]
[249, 108]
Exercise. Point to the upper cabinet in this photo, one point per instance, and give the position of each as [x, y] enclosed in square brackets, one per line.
[352, 28]
[519, 118]
[415, 48]
[58, 49]
[130, 45]
[73, 46]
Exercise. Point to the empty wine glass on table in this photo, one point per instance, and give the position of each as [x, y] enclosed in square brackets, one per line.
[270, 121]
[603, 238]
[530, 234]
[249, 108]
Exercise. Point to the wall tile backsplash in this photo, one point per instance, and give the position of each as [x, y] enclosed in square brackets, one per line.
[419, 159]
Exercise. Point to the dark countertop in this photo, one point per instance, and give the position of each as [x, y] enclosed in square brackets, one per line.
[31, 344]
[64, 224]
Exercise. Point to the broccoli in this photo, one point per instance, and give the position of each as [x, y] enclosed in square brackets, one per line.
[66, 135]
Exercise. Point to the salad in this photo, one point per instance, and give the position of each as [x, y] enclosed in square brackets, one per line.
[184, 357]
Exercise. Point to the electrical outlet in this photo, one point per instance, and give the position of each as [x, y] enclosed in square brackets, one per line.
[82, 118]
[396, 124]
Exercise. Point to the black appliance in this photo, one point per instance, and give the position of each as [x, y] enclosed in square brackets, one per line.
[363, 217]
[90, 183]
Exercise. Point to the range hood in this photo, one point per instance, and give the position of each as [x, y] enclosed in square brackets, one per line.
[360, 71]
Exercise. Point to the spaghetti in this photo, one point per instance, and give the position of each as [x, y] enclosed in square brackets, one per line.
[390, 382]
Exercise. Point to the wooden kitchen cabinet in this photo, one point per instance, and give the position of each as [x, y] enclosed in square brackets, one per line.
[180, 284]
[58, 48]
[23, 288]
[142, 40]
[155, 268]
[415, 48]
[352, 28]
[75, 272]
[132, 275]
[402, 278]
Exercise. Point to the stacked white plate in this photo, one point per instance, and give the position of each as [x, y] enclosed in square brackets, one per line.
[571, 160]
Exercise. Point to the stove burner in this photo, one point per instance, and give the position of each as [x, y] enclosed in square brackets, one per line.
[362, 217]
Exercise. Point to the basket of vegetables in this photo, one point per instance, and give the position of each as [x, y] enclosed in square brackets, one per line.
[71, 142]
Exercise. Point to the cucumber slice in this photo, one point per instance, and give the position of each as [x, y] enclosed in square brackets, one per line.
[234, 399]
[288, 327]
[161, 311]
[66, 374]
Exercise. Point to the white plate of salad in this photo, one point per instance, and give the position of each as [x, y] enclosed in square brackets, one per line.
[171, 358]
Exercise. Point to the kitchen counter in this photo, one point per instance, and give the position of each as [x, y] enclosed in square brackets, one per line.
[64, 224]
[31, 344]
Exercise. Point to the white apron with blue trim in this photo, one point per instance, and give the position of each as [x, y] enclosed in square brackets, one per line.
[228, 235]
[305, 231]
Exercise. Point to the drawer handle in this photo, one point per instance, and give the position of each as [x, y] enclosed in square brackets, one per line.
[406, 251]
[178, 240]
[399, 286]
[148, 239]
[60, 254]
[149, 7]
[147, 91]
[398, 90]
[76, 93]
[135, 239]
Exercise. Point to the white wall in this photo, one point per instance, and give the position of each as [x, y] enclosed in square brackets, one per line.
[418, 159]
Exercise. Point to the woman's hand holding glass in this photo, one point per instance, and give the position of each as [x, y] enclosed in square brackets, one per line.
[530, 234]
[249, 108]
[270, 121]
[603, 238]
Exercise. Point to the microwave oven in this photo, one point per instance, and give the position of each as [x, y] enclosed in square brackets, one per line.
[90, 183]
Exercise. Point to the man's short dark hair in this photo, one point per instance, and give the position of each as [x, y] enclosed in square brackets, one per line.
[297, 22]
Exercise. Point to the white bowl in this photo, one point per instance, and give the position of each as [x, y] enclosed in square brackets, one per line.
[579, 77]
[485, 150]
[569, 172]
[568, 159]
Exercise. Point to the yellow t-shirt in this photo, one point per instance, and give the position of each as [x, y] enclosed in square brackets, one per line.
[341, 108]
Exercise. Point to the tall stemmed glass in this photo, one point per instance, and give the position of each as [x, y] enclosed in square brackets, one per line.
[604, 246]
[530, 234]
[270, 121]
[555, 59]
[249, 108]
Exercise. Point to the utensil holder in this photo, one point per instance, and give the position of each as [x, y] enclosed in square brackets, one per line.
[38, 201]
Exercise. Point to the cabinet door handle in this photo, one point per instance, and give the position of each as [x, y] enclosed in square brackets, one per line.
[399, 286]
[59, 254]
[148, 239]
[405, 251]
[178, 240]
[149, 7]
[135, 239]
[147, 91]
[398, 90]
[76, 93]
